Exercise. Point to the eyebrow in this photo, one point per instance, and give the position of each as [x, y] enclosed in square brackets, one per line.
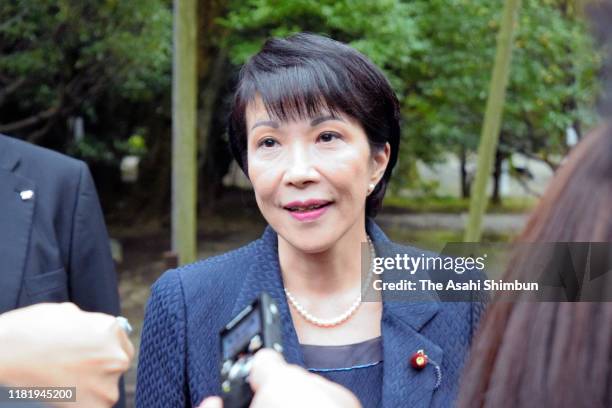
[322, 119]
[271, 123]
[314, 122]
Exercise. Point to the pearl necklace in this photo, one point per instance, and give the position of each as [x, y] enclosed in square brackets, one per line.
[334, 321]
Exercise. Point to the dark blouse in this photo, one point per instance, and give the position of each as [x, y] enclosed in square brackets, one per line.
[357, 366]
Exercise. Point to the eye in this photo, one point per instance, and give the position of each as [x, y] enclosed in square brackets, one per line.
[327, 137]
[268, 142]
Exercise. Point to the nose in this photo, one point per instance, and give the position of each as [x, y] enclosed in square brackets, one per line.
[300, 170]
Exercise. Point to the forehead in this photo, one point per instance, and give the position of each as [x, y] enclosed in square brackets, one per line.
[256, 110]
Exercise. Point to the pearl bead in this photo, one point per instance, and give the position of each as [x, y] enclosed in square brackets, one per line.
[344, 316]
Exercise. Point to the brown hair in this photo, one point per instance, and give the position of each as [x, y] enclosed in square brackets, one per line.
[552, 354]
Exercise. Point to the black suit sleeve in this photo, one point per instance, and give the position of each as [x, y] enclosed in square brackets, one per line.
[93, 281]
[92, 277]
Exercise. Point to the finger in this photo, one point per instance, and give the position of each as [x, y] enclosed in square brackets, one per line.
[125, 349]
[211, 402]
[125, 343]
[120, 337]
[266, 363]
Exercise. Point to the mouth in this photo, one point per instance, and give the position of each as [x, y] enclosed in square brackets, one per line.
[310, 205]
[308, 210]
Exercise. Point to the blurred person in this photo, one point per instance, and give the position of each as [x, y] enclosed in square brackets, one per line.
[315, 127]
[54, 246]
[59, 345]
[553, 354]
[53, 242]
[557, 354]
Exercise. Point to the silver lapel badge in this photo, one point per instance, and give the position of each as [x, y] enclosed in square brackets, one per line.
[26, 195]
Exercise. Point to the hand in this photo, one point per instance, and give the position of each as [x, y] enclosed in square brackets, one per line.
[58, 345]
[278, 384]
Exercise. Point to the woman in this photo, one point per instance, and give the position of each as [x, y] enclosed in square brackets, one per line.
[554, 354]
[315, 127]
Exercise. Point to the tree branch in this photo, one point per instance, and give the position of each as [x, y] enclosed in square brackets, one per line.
[6, 91]
[31, 121]
[528, 189]
[35, 136]
[553, 166]
[6, 23]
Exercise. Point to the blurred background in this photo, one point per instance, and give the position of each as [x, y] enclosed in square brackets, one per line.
[92, 79]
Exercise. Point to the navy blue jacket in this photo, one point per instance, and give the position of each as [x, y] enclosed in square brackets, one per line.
[180, 350]
[53, 242]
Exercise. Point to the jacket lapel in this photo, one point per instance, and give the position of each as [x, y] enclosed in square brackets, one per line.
[15, 224]
[403, 385]
[263, 275]
[402, 321]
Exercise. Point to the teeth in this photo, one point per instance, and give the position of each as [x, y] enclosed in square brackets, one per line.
[302, 209]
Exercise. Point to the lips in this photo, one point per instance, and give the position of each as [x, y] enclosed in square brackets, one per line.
[305, 206]
[308, 210]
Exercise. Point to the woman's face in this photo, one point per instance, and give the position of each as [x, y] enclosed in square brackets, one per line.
[311, 177]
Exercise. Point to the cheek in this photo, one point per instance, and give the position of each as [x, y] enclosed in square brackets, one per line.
[264, 179]
[348, 171]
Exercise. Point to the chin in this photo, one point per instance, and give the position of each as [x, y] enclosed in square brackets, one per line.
[310, 243]
[312, 248]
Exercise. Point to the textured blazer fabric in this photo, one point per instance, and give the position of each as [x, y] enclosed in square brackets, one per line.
[180, 350]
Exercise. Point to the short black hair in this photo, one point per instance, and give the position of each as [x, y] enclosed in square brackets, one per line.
[305, 74]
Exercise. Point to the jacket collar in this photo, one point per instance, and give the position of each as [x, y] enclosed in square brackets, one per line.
[16, 219]
[9, 159]
[401, 324]
[264, 275]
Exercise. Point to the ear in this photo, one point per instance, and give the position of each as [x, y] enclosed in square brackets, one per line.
[380, 160]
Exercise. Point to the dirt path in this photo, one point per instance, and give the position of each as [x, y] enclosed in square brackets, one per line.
[499, 223]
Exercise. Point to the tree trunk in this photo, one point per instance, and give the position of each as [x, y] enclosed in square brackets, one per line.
[492, 119]
[497, 173]
[208, 139]
[465, 182]
[212, 76]
[184, 144]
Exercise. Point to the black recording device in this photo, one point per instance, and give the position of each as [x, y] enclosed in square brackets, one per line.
[257, 326]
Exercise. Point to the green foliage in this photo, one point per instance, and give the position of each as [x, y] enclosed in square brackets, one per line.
[438, 55]
[135, 145]
[383, 30]
[68, 52]
[455, 205]
[386, 31]
[90, 148]
[552, 80]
